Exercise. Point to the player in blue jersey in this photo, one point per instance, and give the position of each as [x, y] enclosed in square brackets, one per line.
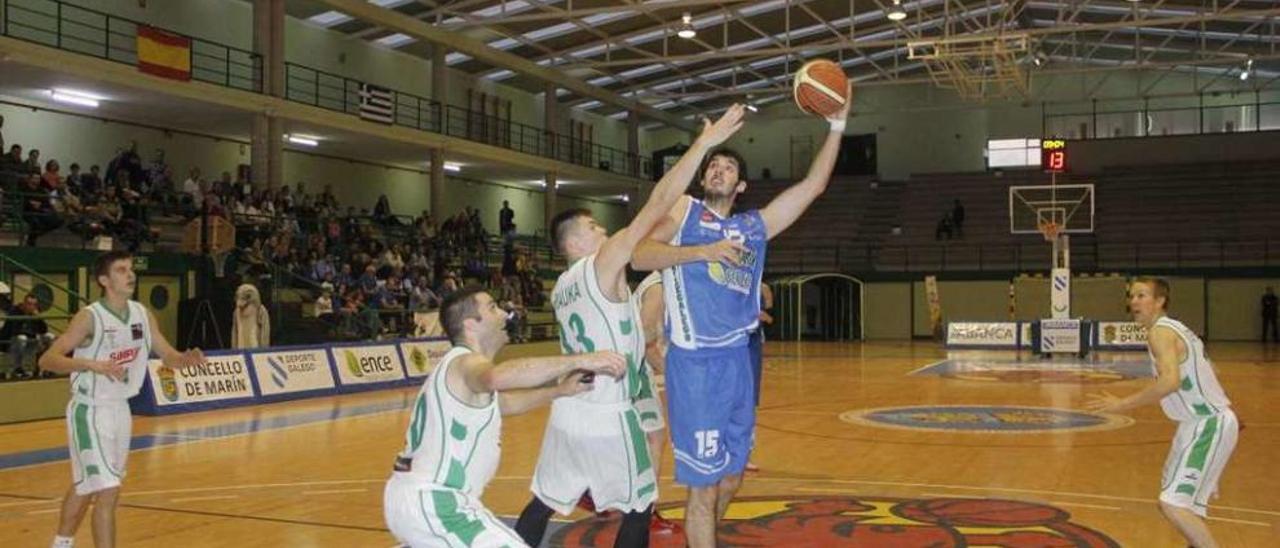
[711, 309]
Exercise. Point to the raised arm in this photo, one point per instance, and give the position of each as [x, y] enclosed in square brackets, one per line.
[611, 262]
[788, 206]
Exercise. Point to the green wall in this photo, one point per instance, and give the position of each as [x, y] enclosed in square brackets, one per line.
[1231, 311]
[887, 310]
[1235, 311]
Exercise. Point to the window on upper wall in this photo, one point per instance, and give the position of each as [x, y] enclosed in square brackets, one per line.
[1012, 153]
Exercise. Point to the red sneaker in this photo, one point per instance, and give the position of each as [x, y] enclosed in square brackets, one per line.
[663, 526]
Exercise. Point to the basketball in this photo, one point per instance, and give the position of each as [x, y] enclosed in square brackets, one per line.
[820, 88]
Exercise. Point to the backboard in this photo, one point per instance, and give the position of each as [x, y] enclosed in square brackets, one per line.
[1070, 207]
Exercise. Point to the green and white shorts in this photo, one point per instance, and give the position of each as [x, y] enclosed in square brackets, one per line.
[98, 437]
[649, 408]
[596, 447]
[424, 514]
[1200, 452]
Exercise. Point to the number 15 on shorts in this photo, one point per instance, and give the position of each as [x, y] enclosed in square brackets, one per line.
[708, 443]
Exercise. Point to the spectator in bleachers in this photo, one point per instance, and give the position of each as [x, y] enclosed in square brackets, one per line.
[51, 177]
[368, 281]
[1270, 307]
[32, 165]
[422, 297]
[382, 212]
[74, 179]
[506, 219]
[193, 194]
[944, 227]
[27, 337]
[13, 160]
[324, 303]
[957, 218]
[91, 183]
[37, 210]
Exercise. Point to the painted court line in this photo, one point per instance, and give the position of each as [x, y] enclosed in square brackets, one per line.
[213, 497]
[46, 511]
[1241, 521]
[335, 491]
[252, 486]
[1083, 505]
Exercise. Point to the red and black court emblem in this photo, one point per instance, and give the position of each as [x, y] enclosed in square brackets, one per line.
[868, 522]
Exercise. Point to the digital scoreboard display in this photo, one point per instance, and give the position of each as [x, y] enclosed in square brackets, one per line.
[1053, 155]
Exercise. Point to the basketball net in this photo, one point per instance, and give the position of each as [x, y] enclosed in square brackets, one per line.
[1050, 230]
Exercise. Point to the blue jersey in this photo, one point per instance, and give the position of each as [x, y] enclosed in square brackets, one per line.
[713, 305]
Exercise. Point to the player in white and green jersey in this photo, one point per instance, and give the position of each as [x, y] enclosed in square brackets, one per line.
[110, 343]
[1189, 393]
[594, 441]
[452, 444]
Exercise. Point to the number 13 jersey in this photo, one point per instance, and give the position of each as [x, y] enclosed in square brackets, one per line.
[590, 322]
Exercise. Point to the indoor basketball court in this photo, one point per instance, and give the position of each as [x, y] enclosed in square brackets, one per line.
[935, 371]
[923, 446]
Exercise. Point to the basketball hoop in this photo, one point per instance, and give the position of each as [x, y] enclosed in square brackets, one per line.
[1050, 230]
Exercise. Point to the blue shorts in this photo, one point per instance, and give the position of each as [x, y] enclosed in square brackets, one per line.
[711, 412]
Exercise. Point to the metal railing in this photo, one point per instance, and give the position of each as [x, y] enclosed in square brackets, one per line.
[338, 93]
[90, 32]
[1085, 255]
[1243, 116]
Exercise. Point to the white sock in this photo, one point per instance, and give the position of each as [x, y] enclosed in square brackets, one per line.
[60, 541]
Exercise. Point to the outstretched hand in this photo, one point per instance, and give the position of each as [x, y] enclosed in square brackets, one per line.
[729, 123]
[1103, 402]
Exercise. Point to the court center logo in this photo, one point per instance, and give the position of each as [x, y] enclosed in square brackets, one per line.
[837, 522]
[985, 419]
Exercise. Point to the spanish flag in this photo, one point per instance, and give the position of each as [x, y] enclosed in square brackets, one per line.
[164, 54]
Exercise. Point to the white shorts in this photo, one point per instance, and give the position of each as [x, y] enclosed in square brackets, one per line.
[1197, 457]
[424, 514]
[594, 447]
[649, 407]
[98, 436]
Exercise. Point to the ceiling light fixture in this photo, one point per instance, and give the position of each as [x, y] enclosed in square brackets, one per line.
[1248, 70]
[450, 166]
[686, 28]
[896, 13]
[304, 140]
[75, 97]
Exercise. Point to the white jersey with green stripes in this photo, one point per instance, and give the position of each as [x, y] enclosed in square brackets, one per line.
[1199, 395]
[452, 444]
[590, 322]
[125, 340]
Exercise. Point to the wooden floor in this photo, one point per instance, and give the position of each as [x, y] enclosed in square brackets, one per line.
[311, 473]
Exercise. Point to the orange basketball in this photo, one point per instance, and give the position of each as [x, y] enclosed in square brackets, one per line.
[820, 88]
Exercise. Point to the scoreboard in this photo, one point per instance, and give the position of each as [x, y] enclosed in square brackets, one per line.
[1053, 155]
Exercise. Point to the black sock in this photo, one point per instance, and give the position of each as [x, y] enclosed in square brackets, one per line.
[532, 524]
[634, 531]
